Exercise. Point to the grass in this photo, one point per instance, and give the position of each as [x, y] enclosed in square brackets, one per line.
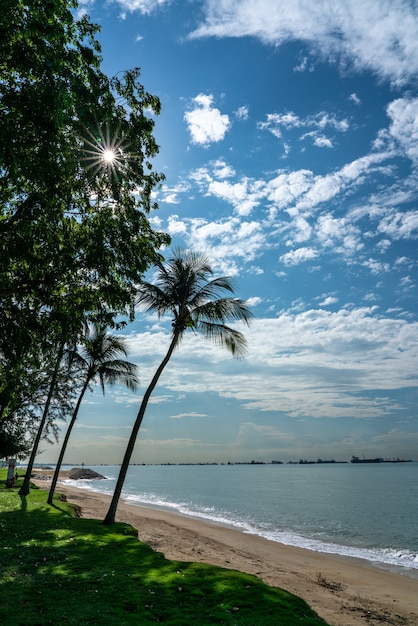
[59, 568]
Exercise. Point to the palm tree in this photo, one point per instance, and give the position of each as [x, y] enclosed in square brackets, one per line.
[25, 488]
[98, 358]
[184, 288]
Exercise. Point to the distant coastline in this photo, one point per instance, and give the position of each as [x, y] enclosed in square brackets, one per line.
[354, 459]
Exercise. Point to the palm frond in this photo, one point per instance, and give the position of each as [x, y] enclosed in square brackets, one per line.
[151, 297]
[224, 336]
[224, 310]
[118, 371]
[100, 355]
[186, 289]
[209, 290]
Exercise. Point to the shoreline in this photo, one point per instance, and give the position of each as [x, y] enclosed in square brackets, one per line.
[345, 591]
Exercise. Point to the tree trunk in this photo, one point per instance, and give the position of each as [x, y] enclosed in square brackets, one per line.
[24, 490]
[111, 514]
[65, 442]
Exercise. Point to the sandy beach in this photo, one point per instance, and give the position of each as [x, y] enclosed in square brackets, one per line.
[344, 591]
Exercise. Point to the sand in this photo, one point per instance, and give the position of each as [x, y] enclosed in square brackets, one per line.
[344, 591]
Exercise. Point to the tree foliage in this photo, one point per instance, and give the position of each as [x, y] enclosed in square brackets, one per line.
[75, 238]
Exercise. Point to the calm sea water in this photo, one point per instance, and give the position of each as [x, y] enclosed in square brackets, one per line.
[364, 511]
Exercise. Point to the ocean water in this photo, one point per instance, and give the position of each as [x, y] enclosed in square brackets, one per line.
[366, 511]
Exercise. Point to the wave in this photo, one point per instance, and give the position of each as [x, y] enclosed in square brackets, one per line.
[399, 559]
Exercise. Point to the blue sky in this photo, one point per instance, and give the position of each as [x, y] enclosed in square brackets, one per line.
[289, 141]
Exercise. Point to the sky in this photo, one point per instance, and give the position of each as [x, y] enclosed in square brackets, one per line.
[289, 141]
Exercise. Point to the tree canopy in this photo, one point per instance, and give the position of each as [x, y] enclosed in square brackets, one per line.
[75, 184]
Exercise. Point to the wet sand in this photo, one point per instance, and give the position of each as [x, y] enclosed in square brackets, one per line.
[344, 591]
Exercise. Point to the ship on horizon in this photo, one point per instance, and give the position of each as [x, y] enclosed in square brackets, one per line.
[356, 459]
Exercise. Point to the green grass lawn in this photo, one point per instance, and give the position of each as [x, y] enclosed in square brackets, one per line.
[58, 568]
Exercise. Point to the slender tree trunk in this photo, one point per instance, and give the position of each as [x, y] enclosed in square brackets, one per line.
[24, 490]
[66, 439]
[110, 516]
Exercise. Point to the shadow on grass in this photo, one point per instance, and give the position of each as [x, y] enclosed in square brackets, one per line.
[56, 567]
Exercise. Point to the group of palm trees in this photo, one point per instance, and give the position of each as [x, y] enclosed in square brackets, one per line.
[184, 288]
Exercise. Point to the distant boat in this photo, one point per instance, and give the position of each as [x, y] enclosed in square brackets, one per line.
[356, 459]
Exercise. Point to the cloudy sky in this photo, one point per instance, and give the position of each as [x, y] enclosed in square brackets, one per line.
[289, 141]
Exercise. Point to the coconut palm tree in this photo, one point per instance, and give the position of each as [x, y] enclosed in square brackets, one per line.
[99, 359]
[185, 289]
[25, 488]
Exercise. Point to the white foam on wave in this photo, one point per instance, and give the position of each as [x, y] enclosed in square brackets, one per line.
[90, 485]
[386, 556]
[380, 556]
[383, 556]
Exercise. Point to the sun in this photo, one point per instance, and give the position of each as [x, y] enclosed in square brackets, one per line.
[109, 156]
[104, 152]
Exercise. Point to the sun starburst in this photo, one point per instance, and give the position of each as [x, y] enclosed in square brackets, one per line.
[104, 153]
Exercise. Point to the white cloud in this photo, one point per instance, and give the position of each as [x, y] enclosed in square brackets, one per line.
[321, 141]
[400, 225]
[276, 123]
[240, 194]
[338, 233]
[303, 66]
[404, 128]
[221, 169]
[227, 242]
[354, 98]
[379, 35]
[170, 195]
[206, 124]
[284, 189]
[376, 267]
[323, 363]
[84, 6]
[299, 192]
[292, 208]
[242, 113]
[142, 6]
[324, 188]
[254, 301]
[295, 257]
[328, 300]
[192, 414]
[176, 226]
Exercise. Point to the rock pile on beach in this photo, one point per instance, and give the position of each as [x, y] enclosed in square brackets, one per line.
[80, 473]
[41, 476]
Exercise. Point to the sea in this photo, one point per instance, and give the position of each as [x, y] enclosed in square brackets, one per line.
[366, 511]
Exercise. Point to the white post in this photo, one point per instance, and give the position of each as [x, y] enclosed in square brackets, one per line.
[11, 473]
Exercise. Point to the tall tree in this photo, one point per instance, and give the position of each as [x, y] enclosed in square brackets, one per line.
[185, 289]
[98, 359]
[24, 490]
[75, 184]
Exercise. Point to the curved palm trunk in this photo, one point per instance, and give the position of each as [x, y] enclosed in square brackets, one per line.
[110, 516]
[24, 490]
[65, 442]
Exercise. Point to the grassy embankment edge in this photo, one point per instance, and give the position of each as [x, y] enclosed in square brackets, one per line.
[59, 567]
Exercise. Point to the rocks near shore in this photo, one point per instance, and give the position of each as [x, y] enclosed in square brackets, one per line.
[80, 473]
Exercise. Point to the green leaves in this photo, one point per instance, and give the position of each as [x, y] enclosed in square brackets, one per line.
[185, 288]
[74, 240]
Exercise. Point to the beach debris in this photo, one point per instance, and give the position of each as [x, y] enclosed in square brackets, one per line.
[40, 476]
[329, 584]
